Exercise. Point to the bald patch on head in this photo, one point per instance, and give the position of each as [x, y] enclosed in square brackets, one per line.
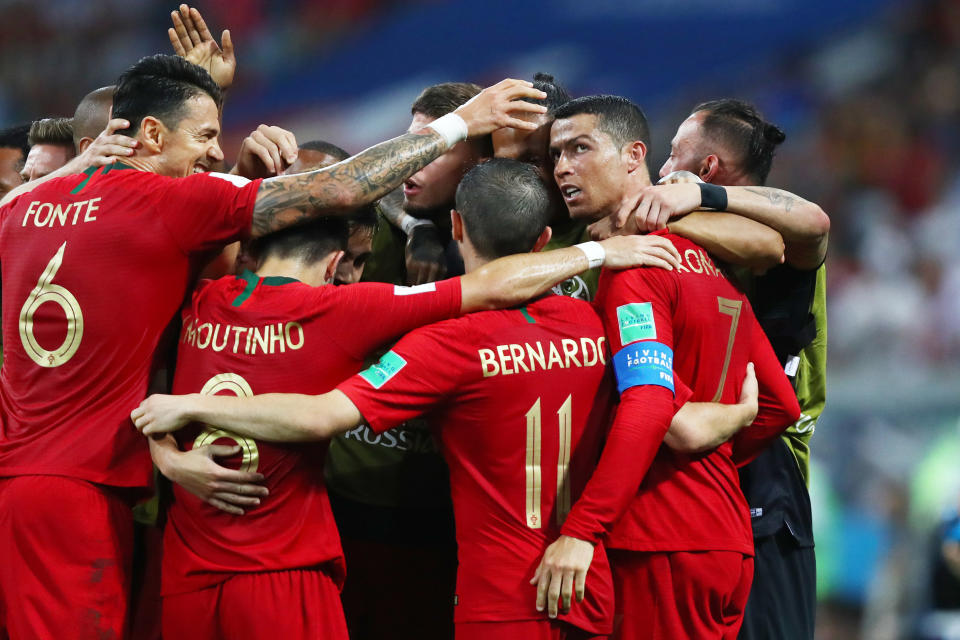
[92, 114]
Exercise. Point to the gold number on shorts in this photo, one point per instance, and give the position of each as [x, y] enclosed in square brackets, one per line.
[239, 387]
[730, 308]
[46, 291]
[532, 463]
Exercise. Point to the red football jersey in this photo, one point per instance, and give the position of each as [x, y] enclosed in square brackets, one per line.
[95, 266]
[248, 335]
[694, 322]
[522, 397]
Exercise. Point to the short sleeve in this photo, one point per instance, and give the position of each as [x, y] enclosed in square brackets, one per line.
[206, 211]
[637, 313]
[411, 379]
[370, 314]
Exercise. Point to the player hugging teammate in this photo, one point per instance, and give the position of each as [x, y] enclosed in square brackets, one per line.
[597, 444]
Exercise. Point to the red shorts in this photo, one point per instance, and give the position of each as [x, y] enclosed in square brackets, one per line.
[673, 596]
[521, 630]
[65, 554]
[301, 603]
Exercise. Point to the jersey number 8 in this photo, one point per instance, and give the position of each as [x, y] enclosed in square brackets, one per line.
[239, 387]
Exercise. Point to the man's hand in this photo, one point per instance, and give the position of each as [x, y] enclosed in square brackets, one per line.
[655, 205]
[161, 413]
[108, 147]
[224, 488]
[563, 570]
[426, 261]
[499, 106]
[265, 153]
[191, 39]
[623, 252]
[749, 396]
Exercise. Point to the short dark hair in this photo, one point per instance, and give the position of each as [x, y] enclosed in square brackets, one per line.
[307, 242]
[51, 131]
[16, 137]
[557, 96]
[159, 86]
[618, 117]
[440, 99]
[741, 128]
[504, 205]
[322, 146]
[364, 217]
[90, 117]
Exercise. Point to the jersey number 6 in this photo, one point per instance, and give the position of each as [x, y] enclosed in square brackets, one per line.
[46, 291]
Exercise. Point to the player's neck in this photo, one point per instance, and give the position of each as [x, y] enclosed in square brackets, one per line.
[312, 275]
[140, 163]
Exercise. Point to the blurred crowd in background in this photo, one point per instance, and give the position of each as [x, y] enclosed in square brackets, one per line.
[871, 111]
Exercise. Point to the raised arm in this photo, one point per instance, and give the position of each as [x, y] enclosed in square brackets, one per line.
[732, 238]
[287, 200]
[803, 225]
[508, 281]
[272, 417]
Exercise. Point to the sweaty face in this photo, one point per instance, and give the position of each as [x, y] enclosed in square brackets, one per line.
[589, 168]
[435, 185]
[10, 161]
[310, 160]
[44, 159]
[685, 154]
[359, 248]
[192, 147]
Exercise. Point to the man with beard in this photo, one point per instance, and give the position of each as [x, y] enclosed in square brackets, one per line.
[676, 523]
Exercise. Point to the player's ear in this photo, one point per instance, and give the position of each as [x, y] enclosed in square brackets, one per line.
[331, 269]
[542, 241]
[152, 134]
[709, 168]
[456, 225]
[636, 155]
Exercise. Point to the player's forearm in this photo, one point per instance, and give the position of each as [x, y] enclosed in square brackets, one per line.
[732, 238]
[74, 166]
[702, 426]
[803, 224]
[508, 281]
[162, 452]
[642, 419]
[287, 200]
[391, 206]
[276, 417]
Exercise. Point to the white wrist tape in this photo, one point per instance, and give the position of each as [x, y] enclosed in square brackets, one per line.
[451, 127]
[409, 223]
[594, 252]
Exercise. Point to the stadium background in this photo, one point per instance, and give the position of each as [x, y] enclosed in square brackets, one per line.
[868, 92]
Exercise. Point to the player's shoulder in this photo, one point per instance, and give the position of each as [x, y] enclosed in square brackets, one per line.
[562, 308]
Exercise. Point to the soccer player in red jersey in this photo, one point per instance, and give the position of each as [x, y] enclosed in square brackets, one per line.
[279, 331]
[521, 398]
[95, 266]
[676, 524]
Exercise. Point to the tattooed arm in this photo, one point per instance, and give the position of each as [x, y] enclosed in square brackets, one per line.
[803, 224]
[287, 200]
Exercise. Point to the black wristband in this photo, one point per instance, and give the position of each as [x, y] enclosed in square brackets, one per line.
[713, 196]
